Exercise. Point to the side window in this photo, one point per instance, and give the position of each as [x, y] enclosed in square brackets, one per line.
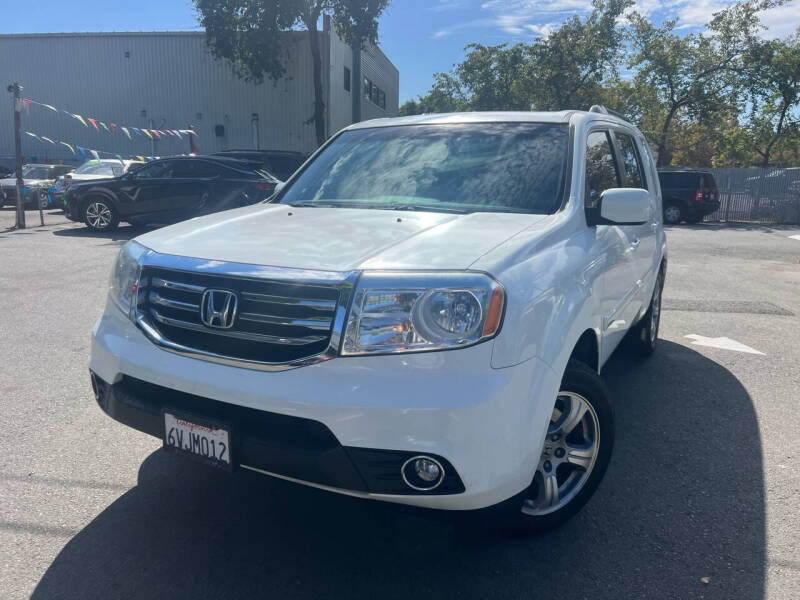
[154, 171]
[601, 168]
[195, 168]
[346, 79]
[631, 162]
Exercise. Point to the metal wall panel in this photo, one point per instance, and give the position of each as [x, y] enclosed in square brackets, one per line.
[171, 76]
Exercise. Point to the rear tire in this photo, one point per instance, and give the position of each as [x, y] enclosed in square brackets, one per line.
[644, 335]
[673, 214]
[100, 214]
[575, 456]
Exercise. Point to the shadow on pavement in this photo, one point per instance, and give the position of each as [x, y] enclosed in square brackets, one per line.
[683, 499]
[123, 233]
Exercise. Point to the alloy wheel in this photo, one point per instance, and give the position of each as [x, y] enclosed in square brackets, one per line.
[655, 310]
[672, 214]
[98, 215]
[568, 457]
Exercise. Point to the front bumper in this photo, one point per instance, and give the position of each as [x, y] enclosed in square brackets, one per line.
[487, 425]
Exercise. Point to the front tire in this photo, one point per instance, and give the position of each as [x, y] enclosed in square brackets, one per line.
[575, 456]
[100, 215]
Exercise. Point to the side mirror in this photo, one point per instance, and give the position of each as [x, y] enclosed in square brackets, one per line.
[623, 206]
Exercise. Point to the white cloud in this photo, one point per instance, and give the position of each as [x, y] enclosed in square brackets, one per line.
[782, 20]
[533, 18]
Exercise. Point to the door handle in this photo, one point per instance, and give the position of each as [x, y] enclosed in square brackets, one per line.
[635, 243]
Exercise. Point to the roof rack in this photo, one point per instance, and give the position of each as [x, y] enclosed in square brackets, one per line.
[599, 108]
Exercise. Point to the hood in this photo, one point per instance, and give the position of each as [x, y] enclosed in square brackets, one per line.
[340, 239]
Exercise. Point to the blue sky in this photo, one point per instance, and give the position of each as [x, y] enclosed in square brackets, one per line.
[419, 36]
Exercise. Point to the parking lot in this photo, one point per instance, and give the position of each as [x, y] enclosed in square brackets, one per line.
[701, 499]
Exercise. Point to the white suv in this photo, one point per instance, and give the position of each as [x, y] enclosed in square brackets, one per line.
[418, 316]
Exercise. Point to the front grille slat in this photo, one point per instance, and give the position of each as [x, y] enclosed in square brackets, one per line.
[156, 298]
[313, 304]
[177, 285]
[276, 321]
[244, 335]
[313, 323]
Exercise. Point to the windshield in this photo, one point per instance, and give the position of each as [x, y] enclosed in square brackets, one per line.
[501, 167]
[95, 168]
[33, 172]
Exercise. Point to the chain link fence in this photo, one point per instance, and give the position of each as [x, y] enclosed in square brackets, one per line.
[757, 195]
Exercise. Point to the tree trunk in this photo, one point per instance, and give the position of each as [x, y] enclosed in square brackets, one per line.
[665, 157]
[779, 130]
[316, 59]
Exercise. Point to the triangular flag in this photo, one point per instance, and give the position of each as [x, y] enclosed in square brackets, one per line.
[141, 158]
[66, 112]
[147, 133]
[53, 108]
[113, 126]
[47, 139]
[169, 132]
[103, 125]
[137, 130]
[156, 133]
[93, 122]
[126, 132]
[32, 134]
[119, 158]
[80, 118]
[95, 154]
[178, 133]
[81, 152]
[71, 149]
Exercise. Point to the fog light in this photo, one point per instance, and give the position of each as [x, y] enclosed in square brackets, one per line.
[427, 470]
[422, 473]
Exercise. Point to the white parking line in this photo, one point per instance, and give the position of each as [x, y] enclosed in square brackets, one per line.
[722, 342]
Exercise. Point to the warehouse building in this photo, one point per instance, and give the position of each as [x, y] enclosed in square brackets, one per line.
[169, 81]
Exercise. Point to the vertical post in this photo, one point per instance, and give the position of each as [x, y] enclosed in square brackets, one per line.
[357, 83]
[16, 88]
[152, 138]
[256, 133]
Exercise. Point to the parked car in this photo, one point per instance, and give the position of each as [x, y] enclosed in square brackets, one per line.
[37, 179]
[279, 163]
[168, 190]
[419, 316]
[688, 195]
[91, 170]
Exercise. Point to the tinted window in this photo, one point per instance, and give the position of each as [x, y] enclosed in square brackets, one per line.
[95, 168]
[463, 167]
[601, 170]
[631, 163]
[678, 180]
[29, 172]
[285, 164]
[195, 168]
[154, 170]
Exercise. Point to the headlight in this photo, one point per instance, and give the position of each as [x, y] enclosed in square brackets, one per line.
[125, 275]
[415, 312]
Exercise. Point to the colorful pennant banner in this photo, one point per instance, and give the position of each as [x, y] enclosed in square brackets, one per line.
[80, 150]
[112, 127]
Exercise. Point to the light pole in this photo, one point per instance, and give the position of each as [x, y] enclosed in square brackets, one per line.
[16, 88]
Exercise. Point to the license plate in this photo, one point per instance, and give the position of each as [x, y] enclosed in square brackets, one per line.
[208, 442]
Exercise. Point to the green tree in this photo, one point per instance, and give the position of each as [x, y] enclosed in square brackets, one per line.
[694, 74]
[248, 33]
[567, 68]
[773, 105]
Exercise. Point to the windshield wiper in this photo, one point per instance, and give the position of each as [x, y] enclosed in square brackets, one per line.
[424, 208]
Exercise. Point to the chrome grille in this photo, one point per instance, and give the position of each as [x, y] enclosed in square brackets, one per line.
[278, 321]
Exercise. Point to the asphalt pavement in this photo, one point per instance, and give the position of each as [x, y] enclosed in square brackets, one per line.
[701, 500]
